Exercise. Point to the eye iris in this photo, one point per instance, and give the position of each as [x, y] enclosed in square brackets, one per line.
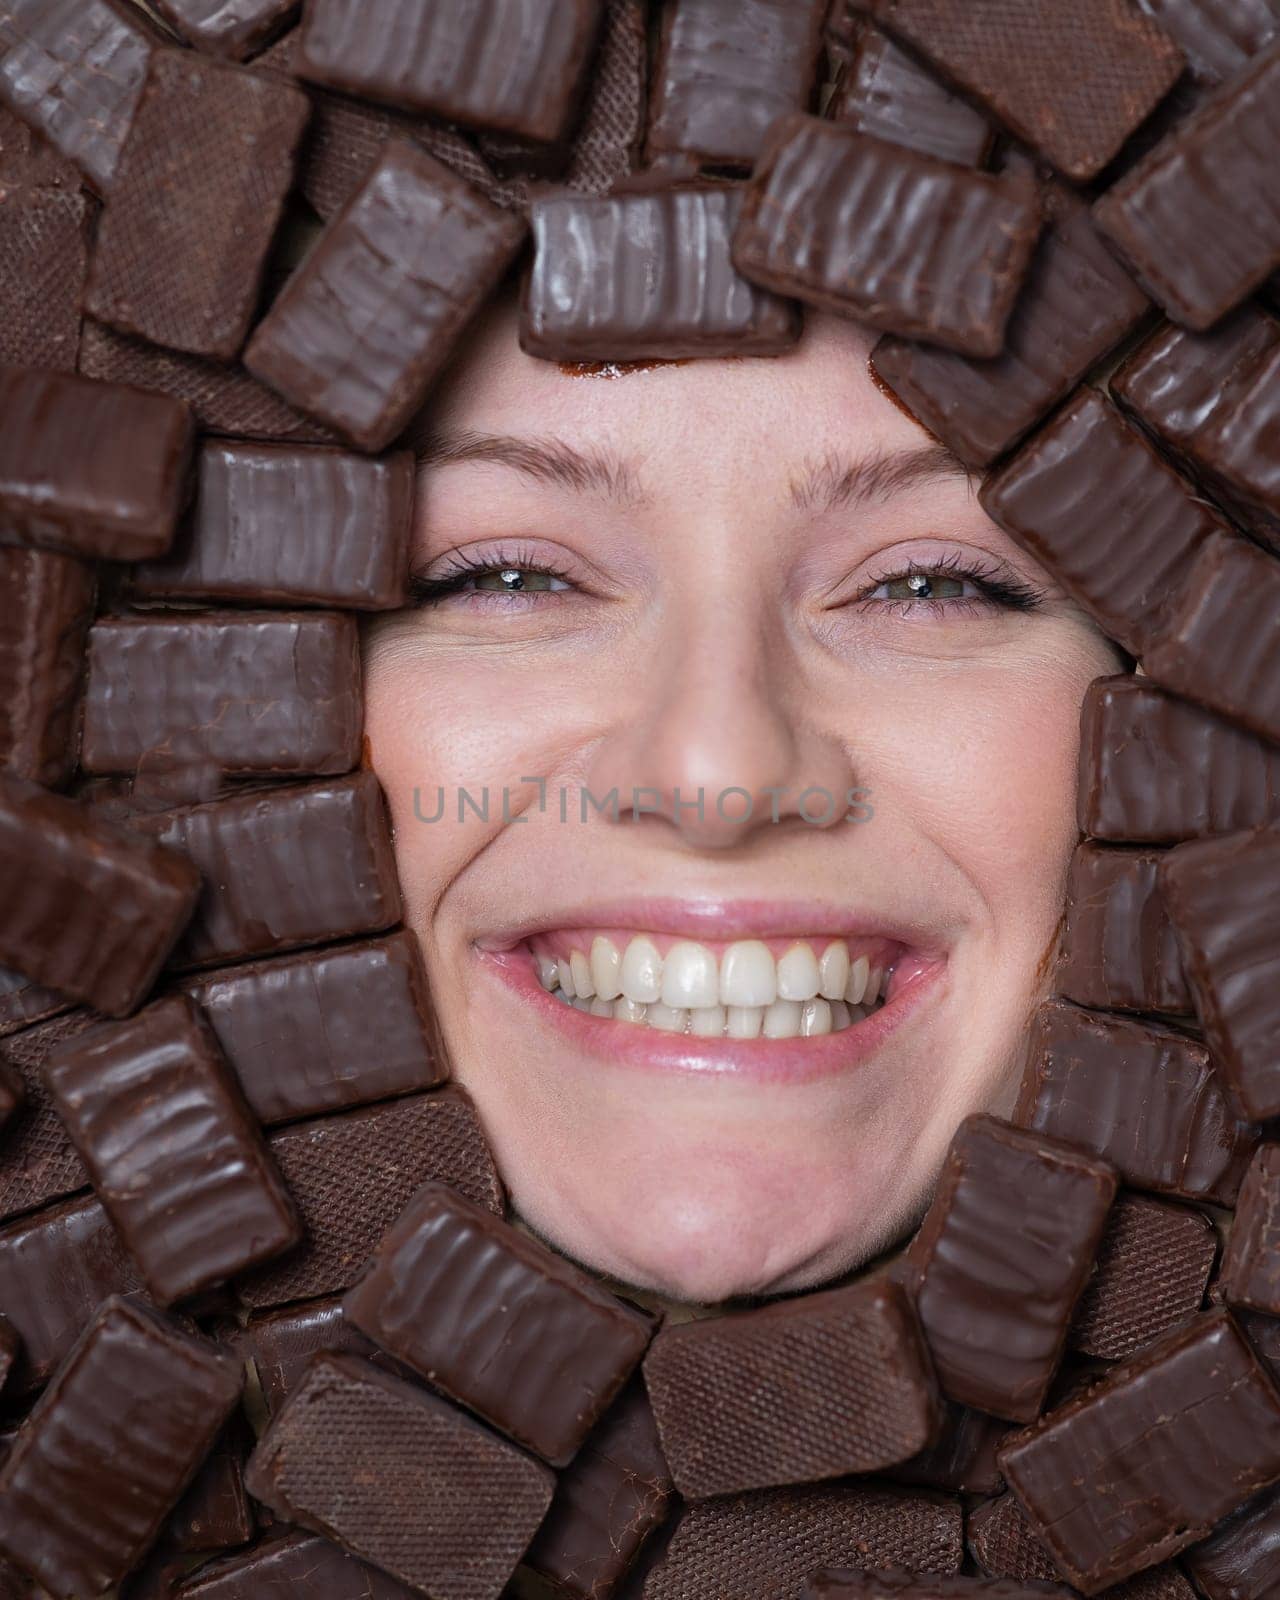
[925, 586]
[512, 580]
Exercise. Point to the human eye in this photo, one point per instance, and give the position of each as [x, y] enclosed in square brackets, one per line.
[493, 576]
[948, 585]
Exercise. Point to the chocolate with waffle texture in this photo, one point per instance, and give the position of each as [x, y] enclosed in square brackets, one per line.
[173, 1153]
[1119, 950]
[360, 330]
[1003, 1546]
[401, 1479]
[298, 1566]
[646, 276]
[885, 91]
[232, 28]
[902, 241]
[498, 1322]
[1217, 37]
[76, 1510]
[1251, 1262]
[44, 256]
[38, 1162]
[48, 608]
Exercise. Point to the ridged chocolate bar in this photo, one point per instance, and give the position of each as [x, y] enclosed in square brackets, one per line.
[281, 1344]
[872, 230]
[1119, 949]
[401, 1479]
[189, 276]
[1077, 305]
[1217, 36]
[1237, 1561]
[232, 28]
[1251, 1261]
[1004, 1254]
[47, 610]
[819, 1387]
[44, 256]
[351, 1176]
[110, 1448]
[1238, 445]
[296, 1030]
[646, 276]
[886, 92]
[1198, 219]
[1155, 769]
[272, 525]
[173, 1153]
[271, 694]
[1073, 82]
[1089, 498]
[725, 70]
[89, 908]
[38, 1163]
[295, 865]
[1149, 1460]
[511, 65]
[1148, 1099]
[95, 469]
[367, 321]
[962, 1459]
[1150, 1275]
[1220, 894]
[74, 70]
[296, 1567]
[498, 1322]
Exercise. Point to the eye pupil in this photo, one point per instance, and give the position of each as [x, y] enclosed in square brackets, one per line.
[920, 586]
[512, 578]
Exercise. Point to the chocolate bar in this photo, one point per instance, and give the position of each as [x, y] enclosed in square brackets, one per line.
[296, 1567]
[1238, 445]
[273, 694]
[74, 70]
[1146, 1462]
[872, 230]
[214, 1513]
[189, 276]
[48, 608]
[819, 1387]
[77, 1511]
[11, 1094]
[27, 160]
[23, 1003]
[296, 1030]
[1119, 950]
[886, 92]
[44, 256]
[95, 469]
[514, 68]
[232, 28]
[1250, 1263]
[1077, 305]
[1217, 894]
[1091, 500]
[962, 1459]
[1145, 1098]
[645, 276]
[851, 1583]
[1073, 84]
[1004, 1254]
[38, 1163]
[401, 1479]
[1155, 769]
[1217, 36]
[351, 1176]
[10, 1349]
[1197, 219]
[174, 1156]
[608, 140]
[1237, 1560]
[498, 1322]
[273, 525]
[1150, 1275]
[90, 909]
[1003, 1546]
[281, 1344]
[363, 326]
[726, 71]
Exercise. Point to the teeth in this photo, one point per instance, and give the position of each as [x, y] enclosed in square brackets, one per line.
[606, 967]
[834, 970]
[875, 981]
[581, 970]
[815, 1018]
[567, 986]
[601, 1008]
[689, 976]
[743, 1022]
[707, 1022]
[671, 1019]
[625, 1010]
[548, 972]
[856, 987]
[782, 1019]
[641, 973]
[748, 975]
[798, 975]
[839, 1016]
[581, 1003]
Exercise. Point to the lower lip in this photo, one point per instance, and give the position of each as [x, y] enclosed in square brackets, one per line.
[753, 1060]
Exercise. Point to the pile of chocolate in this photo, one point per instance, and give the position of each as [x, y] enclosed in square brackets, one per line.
[265, 1328]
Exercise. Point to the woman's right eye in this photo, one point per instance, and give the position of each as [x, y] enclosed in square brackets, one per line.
[516, 580]
[487, 578]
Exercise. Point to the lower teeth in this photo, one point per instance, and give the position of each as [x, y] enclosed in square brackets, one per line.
[784, 1020]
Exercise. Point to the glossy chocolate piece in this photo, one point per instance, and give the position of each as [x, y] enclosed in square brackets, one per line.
[1145, 1463]
[1238, 1559]
[401, 1479]
[295, 1030]
[44, 255]
[47, 610]
[1155, 769]
[962, 1459]
[1251, 1263]
[1218, 894]
[173, 1153]
[1004, 1254]
[76, 1510]
[886, 92]
[23, 1003]
[513, 67]
[1077, 305]
[281, 1344]
[725, 71]
[235, 29]
[74, 70]
[67, 482]
[1072, 83]
[270, 694]
[38, 1163]
[351, 1176]
[1146, 1098]
[851, 1583]
[498, 1322]
[1241, 444]
[1003, 1546]
[1090, 499]
[367, 321]
[1119, 950]
[272, 525]
[1217, 36]
[92, 910]
[1150, 1275]
[298, 1566]
[214, 1513]
[646, 276]
[1197, 219]
[819, 1387]
[872, 230]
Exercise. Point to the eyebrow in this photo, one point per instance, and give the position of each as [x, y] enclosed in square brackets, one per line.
[832, 481]
[548, 460]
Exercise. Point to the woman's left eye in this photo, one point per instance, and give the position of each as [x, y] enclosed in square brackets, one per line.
[486, 578]
[948, 584]
[515, 580]
[925, 586]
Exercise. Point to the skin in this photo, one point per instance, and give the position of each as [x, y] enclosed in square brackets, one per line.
[726, 623]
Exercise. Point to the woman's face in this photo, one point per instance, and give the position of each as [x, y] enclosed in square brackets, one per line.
[759, 583]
